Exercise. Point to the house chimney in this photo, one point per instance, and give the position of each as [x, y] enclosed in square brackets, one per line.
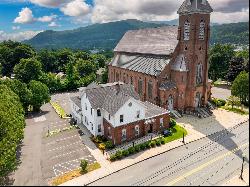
[118, 88]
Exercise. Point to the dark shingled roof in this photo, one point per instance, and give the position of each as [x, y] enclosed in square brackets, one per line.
[195, 6]
[157, 41]
[111, 97]
[168, 85]
[77, 101]
[147, 64]
[153, 110]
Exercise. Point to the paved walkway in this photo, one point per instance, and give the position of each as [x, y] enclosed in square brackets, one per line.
[236, 181]
[109, 168]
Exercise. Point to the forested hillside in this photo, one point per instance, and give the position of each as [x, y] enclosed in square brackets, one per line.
[106, 36]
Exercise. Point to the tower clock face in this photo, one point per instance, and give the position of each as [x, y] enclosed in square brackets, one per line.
[186, 30]
[202, 30]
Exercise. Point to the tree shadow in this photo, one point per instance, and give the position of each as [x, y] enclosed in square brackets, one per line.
[32, 115]
[216, 132]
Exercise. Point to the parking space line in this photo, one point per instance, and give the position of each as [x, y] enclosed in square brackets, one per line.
[62, 139]
[64, 146]
[66, 154]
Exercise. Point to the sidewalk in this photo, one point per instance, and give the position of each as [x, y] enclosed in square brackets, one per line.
[108, 168]
[236, 181]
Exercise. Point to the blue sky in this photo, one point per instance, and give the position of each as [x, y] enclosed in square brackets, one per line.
[22, 19]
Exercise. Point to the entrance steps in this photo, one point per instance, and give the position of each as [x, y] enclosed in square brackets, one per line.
[175, 114]
[211, 106]
[204, 112]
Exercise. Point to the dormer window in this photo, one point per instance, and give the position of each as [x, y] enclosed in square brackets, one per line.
[186, 30]
[121, 118]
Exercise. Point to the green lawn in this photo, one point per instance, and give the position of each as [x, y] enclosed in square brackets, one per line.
[235, 110]
[177, 134]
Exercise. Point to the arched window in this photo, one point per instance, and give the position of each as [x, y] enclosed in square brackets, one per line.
[202, 30]
[186, 30]
[170, 102]
[124, 134]
[199, 74]
[150, 89]
[137, 130]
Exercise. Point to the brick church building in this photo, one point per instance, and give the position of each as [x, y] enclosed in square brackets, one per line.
[168, 66]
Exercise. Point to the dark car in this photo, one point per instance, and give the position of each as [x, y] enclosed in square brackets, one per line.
[167, 133]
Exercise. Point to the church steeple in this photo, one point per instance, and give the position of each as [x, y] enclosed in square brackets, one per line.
[195, 6]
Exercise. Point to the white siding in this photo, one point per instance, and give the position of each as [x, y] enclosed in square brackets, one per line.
[74, 113]
[129, 113]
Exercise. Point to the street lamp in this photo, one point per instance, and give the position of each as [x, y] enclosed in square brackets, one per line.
[241, 174]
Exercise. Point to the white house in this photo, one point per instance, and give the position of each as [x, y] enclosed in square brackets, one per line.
[104, 109]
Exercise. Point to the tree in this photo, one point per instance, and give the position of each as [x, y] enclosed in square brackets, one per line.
[240, 87]
[82, 55]
[40, 94]
[21, 90]
[233, 101]
[220, 56]
[64, 56]
[85, 67]
[48, 60]
[28, 69]
[53, 83]
[72, 77]
[11, 129]
[236, 66]
[12, 53]
[99, 60]
[83, 165]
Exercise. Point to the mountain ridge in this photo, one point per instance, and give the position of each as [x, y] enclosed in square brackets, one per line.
[106, 36]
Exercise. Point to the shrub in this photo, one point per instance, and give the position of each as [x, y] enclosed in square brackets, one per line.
[137, 148]
[112, 158]
[172, 123]
[125, 153]
[109, 145]
[118, 154]
[158, 142]
[142, 146]
[131, 150]
[102, 146]
[83, 165]
[163, 141]
[153, 143]
[148, 144]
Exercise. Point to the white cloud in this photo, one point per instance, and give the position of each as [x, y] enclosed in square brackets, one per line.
[18, 36]
[76, 8]
[50, 3]
[225, 11]
[15, 27]
[53, 24]
[47, 18]
[25, 16]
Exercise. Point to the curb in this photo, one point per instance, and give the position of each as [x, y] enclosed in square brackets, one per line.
[163, 153]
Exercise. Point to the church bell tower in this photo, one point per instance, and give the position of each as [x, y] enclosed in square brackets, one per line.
[194, 36]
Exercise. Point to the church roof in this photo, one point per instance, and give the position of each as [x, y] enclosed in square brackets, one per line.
[195, 6]
[147, 64]
[156, 41]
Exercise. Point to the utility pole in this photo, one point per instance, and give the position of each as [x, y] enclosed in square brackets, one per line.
[183, 138]
[241, 173]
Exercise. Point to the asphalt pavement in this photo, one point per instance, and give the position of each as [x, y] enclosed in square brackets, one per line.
[209, 161]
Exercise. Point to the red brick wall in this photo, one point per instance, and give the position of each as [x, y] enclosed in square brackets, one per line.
[130, 128]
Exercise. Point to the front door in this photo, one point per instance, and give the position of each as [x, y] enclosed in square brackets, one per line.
[170, 103]
[198, 100]
[151, 129]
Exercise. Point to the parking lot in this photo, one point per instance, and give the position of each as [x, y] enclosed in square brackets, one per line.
[44, 158]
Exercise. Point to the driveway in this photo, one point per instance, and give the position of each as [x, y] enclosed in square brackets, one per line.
[221, 93]
[43, 158]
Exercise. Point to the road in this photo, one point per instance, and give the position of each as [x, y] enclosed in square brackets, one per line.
[209, 161]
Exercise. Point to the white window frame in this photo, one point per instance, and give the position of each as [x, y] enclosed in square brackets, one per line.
[137, 130]
[124, 135]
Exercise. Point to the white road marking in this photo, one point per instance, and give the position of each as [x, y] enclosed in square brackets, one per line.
[66, 154]
[65, 146]
[62, 139]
